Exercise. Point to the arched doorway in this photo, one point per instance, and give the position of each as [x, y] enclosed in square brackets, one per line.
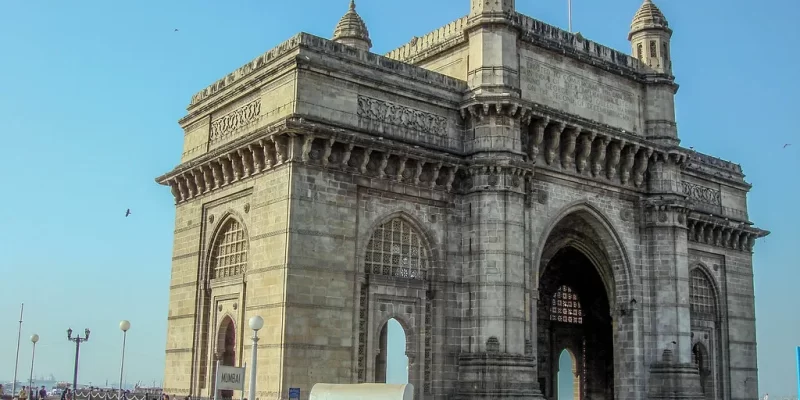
[391, 364]
[574, 313]
[569, 382]
[226, 346]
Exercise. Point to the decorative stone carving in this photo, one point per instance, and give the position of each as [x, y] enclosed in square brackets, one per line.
[492, 345]
[537, 137]
[246, 208]
[542, 196]
[716, 231]
[235, 119]
[613, 159]
[553, 142]
[627, 163]
[399, 115]
[701, 193]
[568, 150]
[601, 144]
[585, 150]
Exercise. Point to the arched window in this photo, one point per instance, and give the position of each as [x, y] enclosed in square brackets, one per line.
[397, 249]
[701, 296]
[229, 256]
[565, 306]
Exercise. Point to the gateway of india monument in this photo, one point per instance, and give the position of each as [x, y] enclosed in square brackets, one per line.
[505, 190]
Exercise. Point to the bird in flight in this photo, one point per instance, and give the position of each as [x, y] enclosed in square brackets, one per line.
[787, 145]
[176, 29]
[128, 212]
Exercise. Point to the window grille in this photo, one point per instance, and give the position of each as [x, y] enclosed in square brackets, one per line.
[230, 251]
[565, 306]
[701, 296]
[397, 249]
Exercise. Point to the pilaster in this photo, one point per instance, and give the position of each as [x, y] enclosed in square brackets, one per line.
[498, 363]
[666, 218]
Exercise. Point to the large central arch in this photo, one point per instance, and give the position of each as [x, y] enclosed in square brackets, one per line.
[583, 282]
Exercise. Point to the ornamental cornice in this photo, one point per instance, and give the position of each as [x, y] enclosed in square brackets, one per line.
[723, 232]
[507, 176]
[666, 212]
[295, 140]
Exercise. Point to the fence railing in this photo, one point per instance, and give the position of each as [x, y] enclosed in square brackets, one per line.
[88, 394]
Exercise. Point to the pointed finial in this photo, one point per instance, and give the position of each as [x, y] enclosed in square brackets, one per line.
[353, 5]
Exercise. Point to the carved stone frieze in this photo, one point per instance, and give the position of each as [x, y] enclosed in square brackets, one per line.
[701, 193]
[235, 119]
[400, 115]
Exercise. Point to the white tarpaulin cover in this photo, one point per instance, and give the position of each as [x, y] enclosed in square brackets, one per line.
[362, 391]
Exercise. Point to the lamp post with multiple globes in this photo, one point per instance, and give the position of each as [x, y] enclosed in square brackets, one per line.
[256, 323]
[78, 340]
[34, 339]
[123, 326]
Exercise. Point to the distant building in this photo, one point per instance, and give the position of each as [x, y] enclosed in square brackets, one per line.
[504, 189]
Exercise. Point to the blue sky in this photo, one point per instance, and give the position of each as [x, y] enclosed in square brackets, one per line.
[92, 91]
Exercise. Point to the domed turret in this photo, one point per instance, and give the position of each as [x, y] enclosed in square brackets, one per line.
[352, 31]
[650, 38]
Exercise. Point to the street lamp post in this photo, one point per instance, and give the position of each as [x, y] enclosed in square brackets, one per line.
[34, 339]
[256, 323]
[123, 326]
[78, 340]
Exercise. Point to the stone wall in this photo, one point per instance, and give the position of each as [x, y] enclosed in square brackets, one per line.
[261, 206]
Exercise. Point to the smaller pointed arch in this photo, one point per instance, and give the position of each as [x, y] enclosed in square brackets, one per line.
[229, 250]
[226, 341]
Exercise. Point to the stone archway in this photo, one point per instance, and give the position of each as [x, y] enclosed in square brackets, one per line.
[585, 290]
[574, 314]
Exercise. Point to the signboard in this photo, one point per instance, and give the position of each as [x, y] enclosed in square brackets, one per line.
[294, 393]
[230, 378]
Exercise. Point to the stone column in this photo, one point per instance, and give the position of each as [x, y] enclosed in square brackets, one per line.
[496, 365]
[666, 211]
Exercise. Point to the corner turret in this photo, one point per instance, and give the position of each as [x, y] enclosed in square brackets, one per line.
[478, 7]
[352, 31]
[650, 38]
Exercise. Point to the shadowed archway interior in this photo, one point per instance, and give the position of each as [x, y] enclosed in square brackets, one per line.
[574, 316]
[227, 349]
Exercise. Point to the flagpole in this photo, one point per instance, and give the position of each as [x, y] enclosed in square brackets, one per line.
[16, 363]
[569, 11]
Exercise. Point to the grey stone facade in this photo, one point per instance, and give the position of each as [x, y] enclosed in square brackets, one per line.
[503, 189]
